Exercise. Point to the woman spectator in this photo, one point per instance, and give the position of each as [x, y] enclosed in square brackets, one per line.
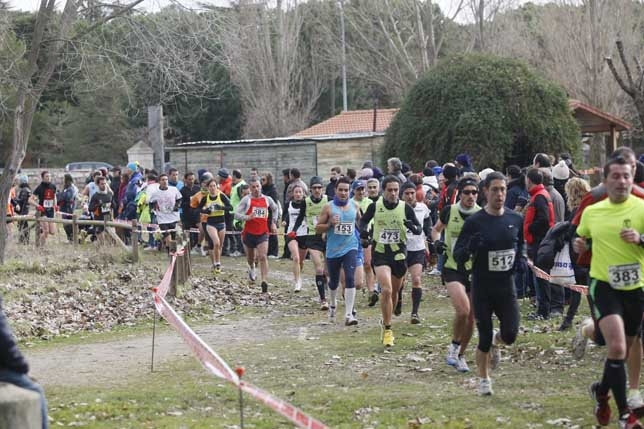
[269, 189]
[575, 189]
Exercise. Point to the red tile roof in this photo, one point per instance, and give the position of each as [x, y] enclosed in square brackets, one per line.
[593, 120]
[352, 121]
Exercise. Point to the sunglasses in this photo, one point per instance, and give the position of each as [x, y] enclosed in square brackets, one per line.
[470, 192]
[316, 187]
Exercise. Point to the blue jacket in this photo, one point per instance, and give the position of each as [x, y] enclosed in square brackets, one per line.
[10, 356]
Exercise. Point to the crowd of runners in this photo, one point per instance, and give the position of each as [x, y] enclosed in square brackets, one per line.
[484, 233]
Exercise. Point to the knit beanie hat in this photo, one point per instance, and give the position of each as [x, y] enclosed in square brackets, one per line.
[561, 171]
[223, 173]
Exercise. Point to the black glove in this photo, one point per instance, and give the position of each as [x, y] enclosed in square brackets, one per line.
[365, 242]
[364, 235]
[521, 265]
[411, 226]
[440, 247]
[431, 246]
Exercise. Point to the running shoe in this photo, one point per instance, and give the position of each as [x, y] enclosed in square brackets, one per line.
[461, 365]
[452, 354]
[580, 341]
[324, 305]
[435, 272]
[565, 325]
[602, 407]
[415, 320]
[252, 273]
[204, 252]
[351, 321]
[398, 309]
[373, 298]
[495, 352]
[629, 421]
[331, 314]
[217, 269]
[635, 399]
[194, 251]
[388, 338]
[264, 287]
[485, 387]
[298, 286]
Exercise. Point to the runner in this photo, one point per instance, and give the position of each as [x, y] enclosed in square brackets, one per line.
[373, 194]
[166, 201]
[44, 198]
[493, 239]
[315, 243]
[457, 281]
[296, 238]
[100, 205]
[614, 225]
[416, 250]
[253, 210]
[215, 204]
[338, 221]
[392, 218]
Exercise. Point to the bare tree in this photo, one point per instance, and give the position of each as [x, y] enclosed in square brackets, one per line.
[279, 81]
[484, 13]
[391, 43]
[633, 84]
[27, 67]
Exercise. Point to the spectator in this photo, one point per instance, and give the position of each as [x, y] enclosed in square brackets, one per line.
[560, 175]
[449, 191]
[558, 202]
[232, 242]
[336, 173]
[269, 189]
[225, 181]
[464, 163]
[516, 189]
[190, 216]
[173, 179]
[541, 160]
[394, 167]
[23, 195]
[67, 202]
[295, 180]
[132, 188]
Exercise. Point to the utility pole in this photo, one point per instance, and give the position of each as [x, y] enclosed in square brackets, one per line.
[344, 58]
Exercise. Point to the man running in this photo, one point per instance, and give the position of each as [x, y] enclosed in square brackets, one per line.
[457, 282]
[392, 218]
[615, 226]
[166, 201]
[338, 221]
[373, 194]
[311, 211]
[253, 210]
[45, 201]
[493, 239]
[416, 249]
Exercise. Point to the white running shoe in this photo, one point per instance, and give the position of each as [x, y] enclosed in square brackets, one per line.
[461, 365]
[635, 399]
[204, 252]
[435, 272]
[298, 285]
[452, 354]
[350, 321]
[485, 387]
[252, 273]
[331, 314]
[580, 341]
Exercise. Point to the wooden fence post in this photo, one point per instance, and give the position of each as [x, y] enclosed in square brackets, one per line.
[174, 280]
[134, 238]
[75, 230]
[38, 226]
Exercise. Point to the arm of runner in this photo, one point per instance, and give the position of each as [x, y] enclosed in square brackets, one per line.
[427, 227]
[227, 206]
[411, 222]
[324, 221]
[300, 217]
[365, 219]
[274, 208]
[242, 208]
[462, 249]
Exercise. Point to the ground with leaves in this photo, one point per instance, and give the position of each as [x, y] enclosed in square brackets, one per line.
[85, 322]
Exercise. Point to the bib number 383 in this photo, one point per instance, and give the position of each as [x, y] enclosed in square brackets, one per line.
[624, 276]
[500, 260]
[389, 236]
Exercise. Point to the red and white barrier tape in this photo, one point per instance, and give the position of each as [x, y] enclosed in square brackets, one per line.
[216, 365]
[582, 289]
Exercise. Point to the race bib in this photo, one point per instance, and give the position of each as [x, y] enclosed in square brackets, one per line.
[500, 260]
[624, 276]
[260, 212]
[389, 236]
[343, 228]
[48, 204]
[105, 207]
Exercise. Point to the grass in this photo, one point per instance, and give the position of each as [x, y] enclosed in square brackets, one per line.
[343, 377]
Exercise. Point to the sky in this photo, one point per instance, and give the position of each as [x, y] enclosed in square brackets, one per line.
[446, 5]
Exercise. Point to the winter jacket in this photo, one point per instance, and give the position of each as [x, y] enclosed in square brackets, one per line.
[539, 217]
[10, 356]
[516, 189]
[557, 236]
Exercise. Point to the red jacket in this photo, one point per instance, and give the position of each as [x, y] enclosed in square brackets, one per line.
[226, 185]
[531, 212]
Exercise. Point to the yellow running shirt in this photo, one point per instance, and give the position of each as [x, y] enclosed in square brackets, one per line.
[615, 261]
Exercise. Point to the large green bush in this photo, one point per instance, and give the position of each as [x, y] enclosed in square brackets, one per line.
[496, 109]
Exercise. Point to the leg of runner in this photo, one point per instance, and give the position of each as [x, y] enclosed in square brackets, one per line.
[211, 230]
[250, 258]
[463, 324]
[370, 277]
[396, 291]
[416, 272]
[634, 367]
[295, 257]
[320, 280]
[383, 276]
[349, 268]
[221, 233]
[262, 259]
[334, 266]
